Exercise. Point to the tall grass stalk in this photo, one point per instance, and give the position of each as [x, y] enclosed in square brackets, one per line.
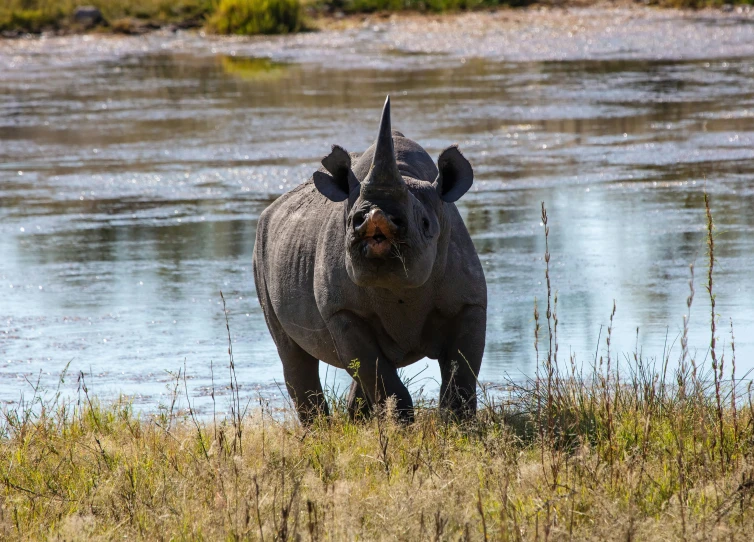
[717, 366]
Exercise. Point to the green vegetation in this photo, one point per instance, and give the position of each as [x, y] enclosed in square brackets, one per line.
[28, 20]
[257, 17]
[40, 15]
[226, 16]
[635, 451]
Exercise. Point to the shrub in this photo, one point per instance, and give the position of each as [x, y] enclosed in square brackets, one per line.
[249, 17]
[29, 20]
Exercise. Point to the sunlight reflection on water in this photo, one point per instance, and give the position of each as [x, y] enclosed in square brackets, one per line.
[130, 190]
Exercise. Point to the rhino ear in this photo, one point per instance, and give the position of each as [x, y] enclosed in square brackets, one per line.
[341, 181]
[455, 175]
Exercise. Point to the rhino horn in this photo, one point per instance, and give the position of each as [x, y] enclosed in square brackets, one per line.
[384, 177]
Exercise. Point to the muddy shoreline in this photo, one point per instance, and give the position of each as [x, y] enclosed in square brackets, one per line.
[507, 35]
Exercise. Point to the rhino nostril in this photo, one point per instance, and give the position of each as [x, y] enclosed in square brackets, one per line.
[358, 220]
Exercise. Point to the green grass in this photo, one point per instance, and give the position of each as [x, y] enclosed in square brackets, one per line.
[631, 451]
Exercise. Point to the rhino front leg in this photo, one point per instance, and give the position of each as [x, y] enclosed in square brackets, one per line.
[301, 373]
[358, 403]
[460, 361]
[360, 354]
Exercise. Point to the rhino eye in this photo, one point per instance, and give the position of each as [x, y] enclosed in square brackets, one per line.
[425, 223]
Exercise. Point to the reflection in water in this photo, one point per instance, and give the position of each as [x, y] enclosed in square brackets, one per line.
[129, 193]
[254, 69]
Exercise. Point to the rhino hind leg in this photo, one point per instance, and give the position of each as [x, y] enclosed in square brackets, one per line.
[359, 406]
[460, 362]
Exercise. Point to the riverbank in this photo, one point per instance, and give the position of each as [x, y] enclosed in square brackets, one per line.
[389, 40]
[248, 17]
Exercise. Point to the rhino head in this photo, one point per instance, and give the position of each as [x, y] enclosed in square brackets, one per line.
[395, 223]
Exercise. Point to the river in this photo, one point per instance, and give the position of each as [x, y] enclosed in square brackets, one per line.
[133, 170]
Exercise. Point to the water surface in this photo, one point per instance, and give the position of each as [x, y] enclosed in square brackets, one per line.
[132, 175]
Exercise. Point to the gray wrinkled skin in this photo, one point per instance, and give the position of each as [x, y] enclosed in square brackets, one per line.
[369, 267]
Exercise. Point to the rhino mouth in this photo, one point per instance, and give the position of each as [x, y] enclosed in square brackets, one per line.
[377, 245]
[375, 234]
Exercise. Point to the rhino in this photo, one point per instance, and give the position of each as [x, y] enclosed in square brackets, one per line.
[368, 267]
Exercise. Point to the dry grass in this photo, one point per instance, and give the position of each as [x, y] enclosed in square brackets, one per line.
[650, 467]
[626, 452]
